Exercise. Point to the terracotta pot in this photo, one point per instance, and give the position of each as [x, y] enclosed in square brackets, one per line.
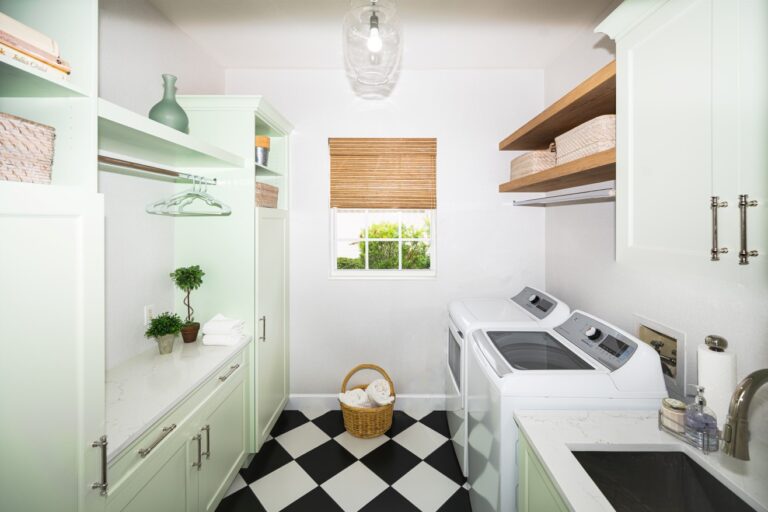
[165, 343]
[189, 332]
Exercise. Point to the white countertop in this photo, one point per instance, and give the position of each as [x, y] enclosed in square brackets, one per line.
[553, 434]
[146, 387]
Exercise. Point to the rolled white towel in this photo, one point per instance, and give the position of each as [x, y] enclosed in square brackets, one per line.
[220, 324]
[222, 339]
[355, 398]
[379, 392]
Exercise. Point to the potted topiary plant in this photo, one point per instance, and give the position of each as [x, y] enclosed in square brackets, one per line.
[164, 328]
[188, 279]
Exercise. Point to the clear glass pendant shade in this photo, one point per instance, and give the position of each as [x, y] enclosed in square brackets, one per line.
[372, 42]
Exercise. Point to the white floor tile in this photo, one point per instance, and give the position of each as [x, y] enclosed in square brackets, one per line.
[426, 487]
[417, 411]
[354, 487]
[237, 484]
[359, 447]
[282, 487]
[420, 439]
[301, 439]
[314, 412]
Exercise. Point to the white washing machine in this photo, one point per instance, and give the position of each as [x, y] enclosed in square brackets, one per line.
[584, 363]
[529, 308]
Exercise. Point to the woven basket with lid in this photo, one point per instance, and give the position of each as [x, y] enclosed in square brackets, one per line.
[367, 422]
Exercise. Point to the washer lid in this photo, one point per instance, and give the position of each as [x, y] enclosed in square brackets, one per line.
[535, 350]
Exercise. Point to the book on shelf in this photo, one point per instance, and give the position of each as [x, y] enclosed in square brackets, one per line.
[29, 35]
[34, 52]
[24, 59]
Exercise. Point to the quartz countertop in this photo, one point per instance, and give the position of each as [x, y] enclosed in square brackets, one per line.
[146, 387]
[553, 434]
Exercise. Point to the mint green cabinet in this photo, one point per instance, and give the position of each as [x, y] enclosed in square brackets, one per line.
[167, 489]
[535, 492]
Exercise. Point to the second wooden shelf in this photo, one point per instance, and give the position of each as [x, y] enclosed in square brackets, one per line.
[584, 171]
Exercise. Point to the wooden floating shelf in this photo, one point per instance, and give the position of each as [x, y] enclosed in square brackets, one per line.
[594, 97]
[22, 81]
[584, 171]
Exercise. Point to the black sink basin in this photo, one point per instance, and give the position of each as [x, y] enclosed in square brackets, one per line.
[657, 482]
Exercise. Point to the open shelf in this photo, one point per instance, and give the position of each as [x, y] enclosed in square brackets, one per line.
[19, 80]
[584, 171]
[594, 97]
[262, 170]
[126, 133]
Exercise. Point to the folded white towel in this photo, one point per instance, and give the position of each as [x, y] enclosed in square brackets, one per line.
[220, 324]
[379, 392]
[222, 339]
[355, 398]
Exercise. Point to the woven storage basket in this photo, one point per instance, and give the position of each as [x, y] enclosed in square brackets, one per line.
[532, 162]
[26, 150]
[367, 422]
[598, 134]
[266, 195]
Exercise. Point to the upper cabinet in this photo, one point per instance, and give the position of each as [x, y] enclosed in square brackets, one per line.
[691, 125]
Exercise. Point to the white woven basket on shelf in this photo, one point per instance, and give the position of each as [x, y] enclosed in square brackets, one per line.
[531, 162]
[26, 150]
[266, 195]
[594, 136]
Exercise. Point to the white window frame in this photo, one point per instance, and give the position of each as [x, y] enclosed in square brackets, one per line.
[399, 273]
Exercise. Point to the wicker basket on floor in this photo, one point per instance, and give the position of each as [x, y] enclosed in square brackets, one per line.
[367, 422]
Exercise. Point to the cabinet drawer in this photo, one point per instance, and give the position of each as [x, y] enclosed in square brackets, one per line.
[142, 458]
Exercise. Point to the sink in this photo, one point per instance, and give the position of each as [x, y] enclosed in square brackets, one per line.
[657, 482]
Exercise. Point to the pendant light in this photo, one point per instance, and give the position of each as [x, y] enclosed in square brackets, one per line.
[372, 43]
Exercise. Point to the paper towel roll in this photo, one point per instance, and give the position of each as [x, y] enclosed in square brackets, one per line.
[717, 373]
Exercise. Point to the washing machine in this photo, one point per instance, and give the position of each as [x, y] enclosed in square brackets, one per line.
[584, 363]
[530, 307]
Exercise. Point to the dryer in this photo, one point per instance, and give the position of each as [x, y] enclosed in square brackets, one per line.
[529, 308]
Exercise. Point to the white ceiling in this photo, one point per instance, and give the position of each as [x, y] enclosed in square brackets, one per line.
[438, 33]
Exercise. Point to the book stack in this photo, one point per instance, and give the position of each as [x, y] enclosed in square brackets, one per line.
[31, 48]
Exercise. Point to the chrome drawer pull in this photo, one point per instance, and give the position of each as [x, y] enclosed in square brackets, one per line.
[714, 253]
[263, 336]
[166, 430]
[744, 252]
[199, 463]
[103, 485]
[207, 430]
[230, 372]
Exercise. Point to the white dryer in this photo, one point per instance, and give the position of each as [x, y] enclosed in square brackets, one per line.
[584, 363]
[529, 308]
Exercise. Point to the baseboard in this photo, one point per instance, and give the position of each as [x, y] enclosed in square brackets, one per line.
[416, 404]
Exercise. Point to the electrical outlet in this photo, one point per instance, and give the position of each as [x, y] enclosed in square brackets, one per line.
[149, 313]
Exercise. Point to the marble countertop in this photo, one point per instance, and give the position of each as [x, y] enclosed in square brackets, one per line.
[553, 434]
[146, 387]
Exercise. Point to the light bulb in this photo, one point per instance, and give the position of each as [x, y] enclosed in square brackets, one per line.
[374, 43]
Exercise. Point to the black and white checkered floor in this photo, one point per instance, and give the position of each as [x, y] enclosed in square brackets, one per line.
[311, 463]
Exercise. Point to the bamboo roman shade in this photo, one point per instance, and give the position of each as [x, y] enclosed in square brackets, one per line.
[383, 173]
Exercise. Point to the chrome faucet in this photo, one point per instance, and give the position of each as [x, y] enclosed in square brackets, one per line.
[736, 429]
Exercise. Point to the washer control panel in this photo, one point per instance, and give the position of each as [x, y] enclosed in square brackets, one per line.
[535, 302]
[612, 348]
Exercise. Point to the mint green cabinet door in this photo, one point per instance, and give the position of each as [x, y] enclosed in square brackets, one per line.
[167, 489]
[535, 491]
[52, 338]
[224, 440]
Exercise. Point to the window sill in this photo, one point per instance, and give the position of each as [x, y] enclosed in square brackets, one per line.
[396, 275]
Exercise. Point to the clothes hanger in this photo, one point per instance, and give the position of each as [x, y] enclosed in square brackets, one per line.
[180, 204]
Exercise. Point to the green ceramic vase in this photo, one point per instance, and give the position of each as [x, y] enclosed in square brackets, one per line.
[167, 111]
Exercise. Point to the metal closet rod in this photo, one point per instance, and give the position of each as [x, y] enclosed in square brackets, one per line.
[156, 170]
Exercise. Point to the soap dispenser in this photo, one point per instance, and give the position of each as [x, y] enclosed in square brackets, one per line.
[701, 423]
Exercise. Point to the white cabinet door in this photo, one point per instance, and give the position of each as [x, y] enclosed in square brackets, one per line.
[272, 340]
[52, 364]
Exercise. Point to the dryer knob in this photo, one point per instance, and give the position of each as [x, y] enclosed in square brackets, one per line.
[533, 299]
[593, 333]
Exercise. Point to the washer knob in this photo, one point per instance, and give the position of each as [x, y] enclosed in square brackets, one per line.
[593, 333]
[533, 299]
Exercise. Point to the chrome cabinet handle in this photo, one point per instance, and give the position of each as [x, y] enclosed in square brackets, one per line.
[263, 321]
[166, 430]
[199, 463]
[101, 443]
[744, 253]
[207, 430]
[230, 372]
[714, 253]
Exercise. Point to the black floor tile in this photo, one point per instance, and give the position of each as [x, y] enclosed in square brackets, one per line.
[444, 460]
[400, 422]
[325, 461]
[437, 421]
[389, 501]
[272, 456]
[241, 501]
[332, 423]
[288, 420]
[314, 501]
[459, 502]
[390, 461]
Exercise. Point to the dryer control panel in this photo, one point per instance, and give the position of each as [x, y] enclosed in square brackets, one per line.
[535, 302]
[602, 342]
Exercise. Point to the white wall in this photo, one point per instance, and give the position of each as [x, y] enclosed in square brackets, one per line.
[484, 245]
[581, 268]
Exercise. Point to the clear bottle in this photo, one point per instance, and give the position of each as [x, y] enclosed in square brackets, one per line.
[701, 423]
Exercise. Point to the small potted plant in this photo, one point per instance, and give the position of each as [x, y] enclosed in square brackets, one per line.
[164, 328]
[188, 279]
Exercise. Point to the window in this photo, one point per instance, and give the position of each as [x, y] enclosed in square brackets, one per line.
[382, 207]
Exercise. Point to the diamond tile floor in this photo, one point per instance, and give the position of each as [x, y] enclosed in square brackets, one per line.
[312, 464]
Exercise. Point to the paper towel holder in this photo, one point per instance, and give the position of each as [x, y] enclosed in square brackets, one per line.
[716, 343]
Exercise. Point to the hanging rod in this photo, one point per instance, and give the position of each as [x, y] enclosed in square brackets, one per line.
[155, 170]
[588, 196]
